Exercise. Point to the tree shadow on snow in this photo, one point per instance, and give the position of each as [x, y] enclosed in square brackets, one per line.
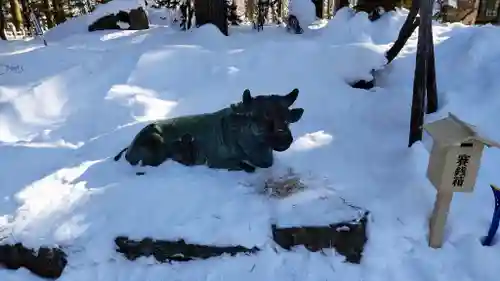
[21, 165]
[32, 73]
[91, 112]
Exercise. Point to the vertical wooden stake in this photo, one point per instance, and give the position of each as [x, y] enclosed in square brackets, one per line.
[431, 98]
[437, 221]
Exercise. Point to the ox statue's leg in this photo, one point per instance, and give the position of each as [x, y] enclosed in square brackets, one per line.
[184, 150]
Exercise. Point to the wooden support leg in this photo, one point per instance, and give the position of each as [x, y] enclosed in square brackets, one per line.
[409, 26]
[438, 219]
[432, 100]
[420, 82]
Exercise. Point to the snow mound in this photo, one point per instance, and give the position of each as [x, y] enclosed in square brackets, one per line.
[208, 33]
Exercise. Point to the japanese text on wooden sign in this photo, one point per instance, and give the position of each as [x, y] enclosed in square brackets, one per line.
[461, 170]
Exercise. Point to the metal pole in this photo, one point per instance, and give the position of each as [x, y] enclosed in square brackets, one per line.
[495, 221]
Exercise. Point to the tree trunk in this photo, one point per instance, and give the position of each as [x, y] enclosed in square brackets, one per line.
[58, 11]
[26, 14]
[213, 12]
[2, 22]
[48, 13]
[17, 17]
[341, 4]
[318, 4]
[250, 9]
[498, 15]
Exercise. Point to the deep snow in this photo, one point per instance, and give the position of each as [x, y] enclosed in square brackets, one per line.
[77, 102]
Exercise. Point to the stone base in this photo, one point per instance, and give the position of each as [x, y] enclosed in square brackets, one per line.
[45, 263]
[347, 238]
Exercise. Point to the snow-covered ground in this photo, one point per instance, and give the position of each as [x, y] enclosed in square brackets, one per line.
[66, 109]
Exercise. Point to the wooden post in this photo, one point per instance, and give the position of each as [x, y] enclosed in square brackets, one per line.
[439, 216]
[424, 83]
[411, 23]
[421, 81]
[432, 102]
[420, 78]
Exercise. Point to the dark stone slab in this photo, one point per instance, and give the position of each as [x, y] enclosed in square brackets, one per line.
[45, 262]
[138, 19]
[166, 251]
[104, 23]
[347, 238]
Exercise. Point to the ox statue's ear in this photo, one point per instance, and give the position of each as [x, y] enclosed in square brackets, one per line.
[295, 115]
[247, 97]
[290, 98]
